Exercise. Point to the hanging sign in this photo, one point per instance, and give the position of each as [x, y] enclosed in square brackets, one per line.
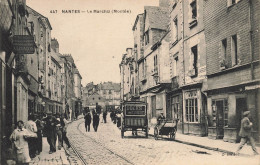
[23, 44]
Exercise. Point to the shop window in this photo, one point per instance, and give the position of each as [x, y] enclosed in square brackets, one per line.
[191, 109]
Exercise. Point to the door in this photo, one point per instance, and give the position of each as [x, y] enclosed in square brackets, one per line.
[241, 106]
[220, 116]
[168, 108]
[220, 119]
[153, 100]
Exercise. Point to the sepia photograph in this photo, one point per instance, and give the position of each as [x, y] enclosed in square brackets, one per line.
[120, 82]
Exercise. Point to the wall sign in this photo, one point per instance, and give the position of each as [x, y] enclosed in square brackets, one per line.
[23, 44]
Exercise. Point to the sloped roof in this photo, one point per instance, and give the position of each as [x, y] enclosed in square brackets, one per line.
[43, 18]
[110, 86]
[158, 17]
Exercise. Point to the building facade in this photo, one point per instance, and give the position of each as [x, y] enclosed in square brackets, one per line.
[232, 66]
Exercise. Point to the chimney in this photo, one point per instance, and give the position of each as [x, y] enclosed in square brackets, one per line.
[55, 45]
[129, 52]
[164, 3]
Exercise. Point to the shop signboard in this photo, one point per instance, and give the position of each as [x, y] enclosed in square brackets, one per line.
[23, 44]
[135, 109]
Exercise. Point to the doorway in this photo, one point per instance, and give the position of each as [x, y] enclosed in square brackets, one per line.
[220, 116]
[241, 106]
[153, 100]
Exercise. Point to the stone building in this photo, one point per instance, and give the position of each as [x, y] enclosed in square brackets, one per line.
[153, 86]
[77, 91]
[42, 30]
[194, 68]
[110, 92]
[106, 94]
[232, 37]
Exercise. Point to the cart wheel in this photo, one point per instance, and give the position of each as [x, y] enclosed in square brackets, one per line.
[156, 133]
[146, 132]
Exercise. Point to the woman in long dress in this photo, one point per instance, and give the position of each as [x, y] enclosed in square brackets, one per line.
[19, 136]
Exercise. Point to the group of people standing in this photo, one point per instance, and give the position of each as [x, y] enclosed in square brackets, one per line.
[95, 115]
[27, 137]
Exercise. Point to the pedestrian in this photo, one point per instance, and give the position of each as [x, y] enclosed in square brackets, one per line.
[40, 126]
[30, 125]
[245, 133]
[59, 131]
[19, 138]
[95, 121]
[98, 109]
[51, 130]
[70, 113]
[87, 121]
[64, 123]
[105, 116]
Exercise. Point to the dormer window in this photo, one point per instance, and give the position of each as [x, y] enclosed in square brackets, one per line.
[146, 37]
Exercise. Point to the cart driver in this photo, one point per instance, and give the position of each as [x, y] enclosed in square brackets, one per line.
[161, 117]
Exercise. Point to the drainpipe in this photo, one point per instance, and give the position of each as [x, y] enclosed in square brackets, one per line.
[183, 64]
[251, 40]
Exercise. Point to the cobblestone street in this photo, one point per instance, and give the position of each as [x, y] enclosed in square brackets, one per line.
[107, 147]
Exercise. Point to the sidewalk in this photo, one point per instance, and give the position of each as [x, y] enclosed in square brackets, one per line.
[211, 144]
[57, 158]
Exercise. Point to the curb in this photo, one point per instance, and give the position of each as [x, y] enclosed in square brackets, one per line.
[230, 153]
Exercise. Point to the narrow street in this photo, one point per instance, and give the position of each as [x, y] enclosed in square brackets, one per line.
[107, 147]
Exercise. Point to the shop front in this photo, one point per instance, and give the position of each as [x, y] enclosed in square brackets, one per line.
[194, 110]
[225, 110]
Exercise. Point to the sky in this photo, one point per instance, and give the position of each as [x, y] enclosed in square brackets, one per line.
[95, 40]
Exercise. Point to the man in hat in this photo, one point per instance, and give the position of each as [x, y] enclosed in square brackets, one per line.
[160, 118]
[245, 133]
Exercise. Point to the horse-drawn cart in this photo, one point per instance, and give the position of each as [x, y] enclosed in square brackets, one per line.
[134, 117]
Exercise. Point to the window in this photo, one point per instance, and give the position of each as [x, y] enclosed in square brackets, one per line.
[146, 37]
[232, 2]
[194, 9]
[175, 65]
[144, 68]
[175, 107]
[224, 48]
[191, 109]
[193, 72]
[223, 63]
[193, 14]
[234, 50]
[110, 92]
[155, 62]
[175, 30]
